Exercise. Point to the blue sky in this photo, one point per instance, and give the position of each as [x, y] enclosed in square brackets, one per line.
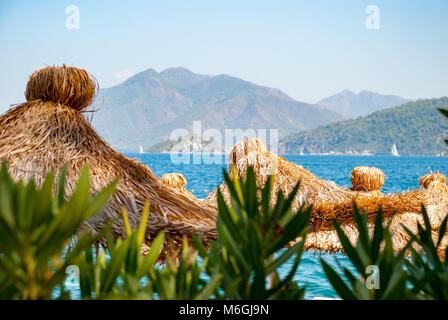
[308, 49]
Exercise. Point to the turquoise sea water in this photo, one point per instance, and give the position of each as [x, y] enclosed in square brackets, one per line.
[402, 173]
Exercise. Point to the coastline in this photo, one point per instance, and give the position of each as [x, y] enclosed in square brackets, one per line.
[298, 154]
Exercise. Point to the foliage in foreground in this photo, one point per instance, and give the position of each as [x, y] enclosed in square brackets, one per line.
[35, 230]
[37, 226]
[385, 275]
[427, 272]
[251, 236]
[382, 272]
[127, 274]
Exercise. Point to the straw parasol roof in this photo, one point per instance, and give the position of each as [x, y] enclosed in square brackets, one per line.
[49, 130]
[177, 181]
[286, 175]
[335, 202]
[405, 211]
[366, 178]
[426, 180]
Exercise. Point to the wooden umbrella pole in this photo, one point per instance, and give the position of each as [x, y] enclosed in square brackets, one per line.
[271, 275]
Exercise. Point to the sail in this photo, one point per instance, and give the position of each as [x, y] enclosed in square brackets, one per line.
[141, 149]
[394, 150]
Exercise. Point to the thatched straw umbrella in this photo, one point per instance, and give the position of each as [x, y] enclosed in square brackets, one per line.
[398, 209]
[177, 181]
[426, 180]
[332, 202]
[245, 147]
[286, 175]
[367, 179]
[49, 130]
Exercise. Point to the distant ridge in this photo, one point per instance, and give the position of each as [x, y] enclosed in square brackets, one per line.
[352, 105]
[145, 108]
[417, 128]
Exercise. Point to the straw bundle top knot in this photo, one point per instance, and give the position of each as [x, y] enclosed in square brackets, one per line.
[367, 178]
[70, 86]
[243, 148]
[427, 179]
[176, 180]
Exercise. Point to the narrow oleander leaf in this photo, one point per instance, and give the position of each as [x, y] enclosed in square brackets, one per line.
[284, 257]
[338, 284]
[349, 249]
[265, 197]
[443, 111]
[250, 194]
[442, 231]
[127, 225]
[292, 271]
[61, 185]
[232, 245]
[211, 286]
[234, 186]
[361, 223]
[294, 229]
[100, 200]
[288, 202]
[153, 254]
[113, 268]
[142, 227]
[377, 236]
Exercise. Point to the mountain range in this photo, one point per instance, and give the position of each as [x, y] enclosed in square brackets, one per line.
[417, 128]
[352, 105]
[147, 107]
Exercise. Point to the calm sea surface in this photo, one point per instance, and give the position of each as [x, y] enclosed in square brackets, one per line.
[402, 173]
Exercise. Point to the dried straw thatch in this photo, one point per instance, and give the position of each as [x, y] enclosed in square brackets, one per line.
[245, 147]
[286, 175]
[69, 86]
[48, 131]
[366, 179]
[176, 180]
[398, 209]
[426, 180]
[332, 202]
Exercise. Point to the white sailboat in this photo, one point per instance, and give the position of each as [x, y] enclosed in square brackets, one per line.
[141, 149]
[394, 151]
